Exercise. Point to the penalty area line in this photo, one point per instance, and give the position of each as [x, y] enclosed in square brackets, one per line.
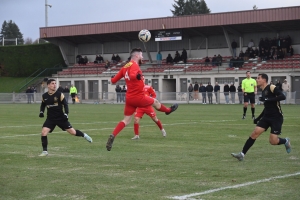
[189, 196]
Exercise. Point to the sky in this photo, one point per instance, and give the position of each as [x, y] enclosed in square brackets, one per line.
[29, 15]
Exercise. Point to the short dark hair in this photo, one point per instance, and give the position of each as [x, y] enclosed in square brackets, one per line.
[264, 76]
[247, 72]
[136, 50]
[50, 80]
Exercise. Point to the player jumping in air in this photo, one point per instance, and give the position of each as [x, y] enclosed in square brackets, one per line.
[135, 96]
[149, 91]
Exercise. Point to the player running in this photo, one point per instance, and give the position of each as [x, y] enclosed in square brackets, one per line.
[55, 102]
[149, 91]
[135, 96]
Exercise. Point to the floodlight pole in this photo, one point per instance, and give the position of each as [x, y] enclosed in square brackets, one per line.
[149, 56]
[46, 13]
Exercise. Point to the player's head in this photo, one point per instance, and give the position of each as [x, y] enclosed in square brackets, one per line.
[137, 55]
[248, 74]
[262, 79]
[51, 83]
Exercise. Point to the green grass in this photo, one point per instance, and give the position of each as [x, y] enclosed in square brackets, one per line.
[9, 84]
[193, 158]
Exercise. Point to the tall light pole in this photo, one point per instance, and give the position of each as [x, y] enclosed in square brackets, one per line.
[46, 12]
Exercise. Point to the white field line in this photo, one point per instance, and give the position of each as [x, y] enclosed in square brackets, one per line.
[189, 196]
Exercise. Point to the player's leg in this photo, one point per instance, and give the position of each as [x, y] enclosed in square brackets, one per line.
[66, 126]
[252, 101]
[250, 141]
[162, 108]
[246, 100]
[136, 125]
[44, 140]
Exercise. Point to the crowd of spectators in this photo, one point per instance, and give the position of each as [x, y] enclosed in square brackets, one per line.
[177, 57]
[82, 60]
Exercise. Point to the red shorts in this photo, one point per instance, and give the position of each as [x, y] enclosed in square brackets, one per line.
[132, 104]
[148, 111]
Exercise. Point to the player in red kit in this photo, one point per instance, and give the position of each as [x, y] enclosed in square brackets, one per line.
[149, 91]
[135, 96]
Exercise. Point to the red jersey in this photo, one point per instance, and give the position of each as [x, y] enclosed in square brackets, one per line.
[135, 87]
[149, 91]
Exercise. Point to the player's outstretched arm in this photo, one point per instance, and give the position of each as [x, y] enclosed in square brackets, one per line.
[42, 108]
[65, 103]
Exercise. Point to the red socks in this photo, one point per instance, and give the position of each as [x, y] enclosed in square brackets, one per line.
[159, 124]
[136, 129]
[164, 108]
[118, 128]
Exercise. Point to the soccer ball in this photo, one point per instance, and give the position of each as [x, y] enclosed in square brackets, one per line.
[144, 35]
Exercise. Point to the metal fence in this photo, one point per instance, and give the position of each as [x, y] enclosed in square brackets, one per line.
[164, 97]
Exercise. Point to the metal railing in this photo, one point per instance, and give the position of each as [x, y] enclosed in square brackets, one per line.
[165, 97]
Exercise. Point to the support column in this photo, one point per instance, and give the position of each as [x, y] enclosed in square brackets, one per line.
[206, 46]
[227, 40]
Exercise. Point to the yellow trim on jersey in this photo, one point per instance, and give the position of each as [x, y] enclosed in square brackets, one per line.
[272, 87]
[128, 65]
[62, 96]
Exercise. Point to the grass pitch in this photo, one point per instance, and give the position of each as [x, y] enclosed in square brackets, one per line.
[192, 162]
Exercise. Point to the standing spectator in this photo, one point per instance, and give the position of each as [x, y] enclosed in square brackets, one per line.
[226, 92]
[261, 43]
[33, 89]
[169, 59]
[118, 90]
[280, 54]
[60, 89]
[202, 90]
[289, 40]
[279, 85]
[196, 91]
[217, 92]
[256, 52]
[284, 46]
[250, 90]
[66, 92]
[73, 93]
[285, 89]
[232, 90]
[219, 60]
[184, 56]
[118, 59]
[29, 94]
[290, 51]
[190, 89]
[78, 57]
[209, 90]
[207, 61]
[158, 58]
[123, 92]
[234, 46]
[113, 59]
[85, 60]
[240, 93]
[251, 44]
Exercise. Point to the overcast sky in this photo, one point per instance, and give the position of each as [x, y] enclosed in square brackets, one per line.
[29, 15]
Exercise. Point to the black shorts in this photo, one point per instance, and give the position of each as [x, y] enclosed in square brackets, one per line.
[275, 122]
[61, 124]
[73, 95]
[249, 97]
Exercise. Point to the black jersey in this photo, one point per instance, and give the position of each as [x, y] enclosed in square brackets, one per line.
[55, 103]
[273, 96]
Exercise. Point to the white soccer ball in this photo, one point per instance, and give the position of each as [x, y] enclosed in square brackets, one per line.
[144, 35]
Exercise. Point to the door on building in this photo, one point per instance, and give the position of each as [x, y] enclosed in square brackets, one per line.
[169, 89]
[183, 85]
[93, 89]
[104, 92]
[295, 87]
[155, 84]
[80, 86]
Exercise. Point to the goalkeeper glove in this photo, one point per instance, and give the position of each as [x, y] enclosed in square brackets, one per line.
[262, 99]
[255, 121]
[139, 77]
[66, 116]
[41, 114]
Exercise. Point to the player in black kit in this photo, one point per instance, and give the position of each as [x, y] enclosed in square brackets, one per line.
[55, 103]
[271, 116]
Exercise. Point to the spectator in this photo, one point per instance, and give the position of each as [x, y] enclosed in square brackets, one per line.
[290, 51]
[107, 64]
[251, 53]
[66, 92]
[226, 92]
[214, 61]
[241, 54]
[85, 60]
[251, 44]
[234, 46]
[202, 90]
[267, 44]
[118, 90]
[284, 46]
[184, 55]
[275, 54]
[285, 89]
[274, 43]
[262, 54]
[60, 89]
[289, 40]
[96, 61]
[240, 62]
[169, 59]
[280, 54]
[209, 90]
[267, 54]
[158, 58]
[100, 59]
[232, 90]
[219, 60]
[177, 57]
[29, 92]
[246, 55]
[78, 57]
[118, 59]
[123, 93]
[196, 91]
[261, 43]
[207, 61]
[217, 92]
[256, 52]
[113, 59]
[240, 93]
[232, 62]
[190, 89]
[279, 85]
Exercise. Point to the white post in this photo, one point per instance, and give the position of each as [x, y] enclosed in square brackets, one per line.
[46, 13]
[16, 41]
[3, 41]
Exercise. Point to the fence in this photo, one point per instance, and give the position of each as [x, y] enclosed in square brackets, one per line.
[164, 97]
